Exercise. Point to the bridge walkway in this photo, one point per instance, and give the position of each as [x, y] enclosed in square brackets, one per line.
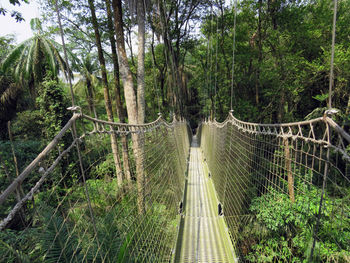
[203, 235]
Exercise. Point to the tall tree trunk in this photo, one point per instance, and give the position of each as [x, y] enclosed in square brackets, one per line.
[90, 97]
[130, 97]
[117, 87]
[108, 104]
[141, 61]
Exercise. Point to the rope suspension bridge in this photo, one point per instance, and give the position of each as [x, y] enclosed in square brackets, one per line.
[199, 203]
[221, 195]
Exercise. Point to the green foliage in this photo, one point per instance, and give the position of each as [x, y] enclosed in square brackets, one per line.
[28, 125]
[58, 242]
[283, 231]
[25, 152]
[30, 60]
[19, 246]
[52, 105]
[105, 169]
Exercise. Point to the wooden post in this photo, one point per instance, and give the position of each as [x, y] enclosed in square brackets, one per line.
[288, 167]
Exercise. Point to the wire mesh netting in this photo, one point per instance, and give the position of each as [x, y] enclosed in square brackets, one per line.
[285, 189]
[69, 206]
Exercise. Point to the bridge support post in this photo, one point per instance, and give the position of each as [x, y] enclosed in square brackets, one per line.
[288, 168]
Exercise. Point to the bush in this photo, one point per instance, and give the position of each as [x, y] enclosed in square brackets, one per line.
[283, 231]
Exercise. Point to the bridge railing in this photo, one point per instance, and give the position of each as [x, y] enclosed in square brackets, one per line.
[68, 206]
[285, 188]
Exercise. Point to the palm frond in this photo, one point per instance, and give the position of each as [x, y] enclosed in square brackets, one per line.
[35, 25]
[60, 60]
[19, 73]
[14, 55]
[50, 56]
[36, 66]
[58, 241]
[8, 94]
[29, 60]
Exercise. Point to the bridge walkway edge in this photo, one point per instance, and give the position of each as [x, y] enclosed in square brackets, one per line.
[203, 234]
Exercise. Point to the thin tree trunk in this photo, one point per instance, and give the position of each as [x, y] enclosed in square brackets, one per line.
[108, 104]
[141, 62]
[90, 98]
[130, 98]
[19, 190]
[117, 87]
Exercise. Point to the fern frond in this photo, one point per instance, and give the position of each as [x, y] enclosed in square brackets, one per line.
[13, 253]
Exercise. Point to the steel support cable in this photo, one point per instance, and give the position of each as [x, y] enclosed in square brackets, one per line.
[331, 75]
[216, 63]
[331, 86]
[155, 80]
[68, 77]
[74, 130]
[206, 94]
[210, 60]
[233, 52]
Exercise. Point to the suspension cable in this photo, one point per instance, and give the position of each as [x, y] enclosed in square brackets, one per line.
[206, 91]
[210, 59]
[331, 75]
[216, 63]
[233, 49]
[65, 53]
[153, 73]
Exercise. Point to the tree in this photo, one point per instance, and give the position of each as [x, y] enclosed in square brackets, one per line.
[130, 98]
[17, 15]
[9, 90]
[31, 59]
[108, 103]
[141, 61]
[119, 107]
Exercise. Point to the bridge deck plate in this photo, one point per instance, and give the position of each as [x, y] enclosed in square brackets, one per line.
[203, 235]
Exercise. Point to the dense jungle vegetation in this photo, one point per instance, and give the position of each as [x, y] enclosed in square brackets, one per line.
[130, 60]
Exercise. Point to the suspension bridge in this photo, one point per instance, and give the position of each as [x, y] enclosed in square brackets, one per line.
[199, 196]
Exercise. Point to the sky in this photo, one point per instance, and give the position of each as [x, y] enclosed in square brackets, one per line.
[21, 30]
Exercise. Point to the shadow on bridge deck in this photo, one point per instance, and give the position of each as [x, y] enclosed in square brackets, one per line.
[203, 235]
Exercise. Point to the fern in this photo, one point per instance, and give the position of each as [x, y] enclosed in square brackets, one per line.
[10, 254]
[58, 241]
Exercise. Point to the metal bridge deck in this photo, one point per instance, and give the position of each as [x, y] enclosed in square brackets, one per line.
[203, 235]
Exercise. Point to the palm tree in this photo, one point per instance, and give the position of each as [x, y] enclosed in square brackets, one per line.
[31, 59]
